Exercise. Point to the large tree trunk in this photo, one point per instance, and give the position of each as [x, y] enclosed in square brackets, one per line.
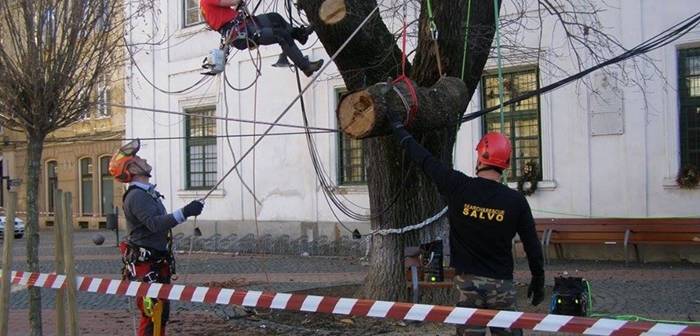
[33, 164]
[371, 57]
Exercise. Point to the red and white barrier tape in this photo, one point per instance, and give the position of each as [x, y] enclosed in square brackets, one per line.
[359, 307]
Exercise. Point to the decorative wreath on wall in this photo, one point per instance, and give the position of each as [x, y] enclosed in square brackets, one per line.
[688, 177]
[530, 174]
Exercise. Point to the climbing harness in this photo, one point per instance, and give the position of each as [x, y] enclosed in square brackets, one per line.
[291, 104]
[234, 33]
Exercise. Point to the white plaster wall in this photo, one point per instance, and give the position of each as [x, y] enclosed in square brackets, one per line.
[609, 175]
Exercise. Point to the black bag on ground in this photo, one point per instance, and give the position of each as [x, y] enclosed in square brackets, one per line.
[569, 297]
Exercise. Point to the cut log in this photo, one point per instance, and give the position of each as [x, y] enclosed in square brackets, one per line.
[362, 114]
[332, 11]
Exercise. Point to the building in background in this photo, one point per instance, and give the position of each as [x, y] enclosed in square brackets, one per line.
[75, 160]
[600, 150]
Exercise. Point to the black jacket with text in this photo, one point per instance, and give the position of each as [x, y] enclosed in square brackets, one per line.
[484, 217]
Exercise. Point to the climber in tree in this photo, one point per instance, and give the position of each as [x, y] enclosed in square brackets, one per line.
[229, 18]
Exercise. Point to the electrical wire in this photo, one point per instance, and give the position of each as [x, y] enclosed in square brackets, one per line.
[326, 182]
[662, 39]
[291, 104]
[185, 90]
[233, 153]
[320, 129]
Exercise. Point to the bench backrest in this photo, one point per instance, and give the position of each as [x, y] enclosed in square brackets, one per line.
[613, 229]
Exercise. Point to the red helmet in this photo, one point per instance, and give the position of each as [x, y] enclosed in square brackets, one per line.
[122, 159]
[494, 150]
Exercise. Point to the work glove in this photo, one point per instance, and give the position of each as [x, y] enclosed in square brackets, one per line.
[194, 208]
[394, 119]
[536, 289]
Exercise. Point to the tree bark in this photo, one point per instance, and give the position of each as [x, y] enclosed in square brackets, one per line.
[35, 148]
[370, 58]
[363, 114]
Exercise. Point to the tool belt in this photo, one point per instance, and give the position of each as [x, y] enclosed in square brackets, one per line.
[242, 33]
[235, 29]
[146, 264]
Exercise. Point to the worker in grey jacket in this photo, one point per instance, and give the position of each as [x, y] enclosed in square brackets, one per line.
[147, 253]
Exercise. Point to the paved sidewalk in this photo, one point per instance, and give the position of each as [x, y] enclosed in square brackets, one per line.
[658, 290]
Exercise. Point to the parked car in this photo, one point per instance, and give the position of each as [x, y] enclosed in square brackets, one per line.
[19, 227]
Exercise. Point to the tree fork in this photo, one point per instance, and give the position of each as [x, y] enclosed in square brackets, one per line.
[363, 114]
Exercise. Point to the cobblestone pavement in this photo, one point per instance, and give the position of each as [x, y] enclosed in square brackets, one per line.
[658, 290]
[286, 273]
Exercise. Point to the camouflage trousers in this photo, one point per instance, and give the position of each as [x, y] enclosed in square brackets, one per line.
[485, 293]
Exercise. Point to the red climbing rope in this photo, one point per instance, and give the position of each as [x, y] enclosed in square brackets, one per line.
[410, 112]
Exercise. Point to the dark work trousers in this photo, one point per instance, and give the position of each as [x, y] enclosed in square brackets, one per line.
[271, 28]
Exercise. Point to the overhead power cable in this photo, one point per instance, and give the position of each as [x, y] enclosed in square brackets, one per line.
[115, 139]
[291, 104]
[318, 129]
[202, 80]
[660, 40]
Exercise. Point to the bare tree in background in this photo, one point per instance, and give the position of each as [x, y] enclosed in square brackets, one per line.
[373, 55]
[53, 54]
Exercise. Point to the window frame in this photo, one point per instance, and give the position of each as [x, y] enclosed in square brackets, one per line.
[80, 186]
[686, 100]
[203, 142]
[511, 72]
[104, 96]
[49, 194]
[186, 24]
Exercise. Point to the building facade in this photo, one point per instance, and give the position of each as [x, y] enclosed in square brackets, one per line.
[75, 160]
[600, 148]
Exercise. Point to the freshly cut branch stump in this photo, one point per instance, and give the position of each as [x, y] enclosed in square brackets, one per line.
[363, 114]
[332, 11]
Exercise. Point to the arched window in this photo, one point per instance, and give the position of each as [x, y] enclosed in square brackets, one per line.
[86, 186]
[51, 184]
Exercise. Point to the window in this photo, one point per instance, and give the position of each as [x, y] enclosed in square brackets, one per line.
[86, 186]
[351, 159]
[103, 12]
[200, 147]
[521, 120]
[52, 184]
[193, 15]
[689, 91]
[106, 187]
[104, 93]
[47, 22]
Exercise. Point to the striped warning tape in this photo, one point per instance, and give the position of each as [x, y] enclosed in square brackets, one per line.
[359, 307]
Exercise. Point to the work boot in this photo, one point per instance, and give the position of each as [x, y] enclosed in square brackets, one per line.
[313, 67]
[302, 33]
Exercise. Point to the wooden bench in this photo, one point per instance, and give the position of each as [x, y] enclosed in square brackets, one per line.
[612, 231]
[669, 231]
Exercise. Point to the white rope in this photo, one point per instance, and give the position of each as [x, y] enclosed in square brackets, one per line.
[411, 227]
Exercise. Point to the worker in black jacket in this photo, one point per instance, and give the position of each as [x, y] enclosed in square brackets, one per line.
[484, 217]
[147, 252]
